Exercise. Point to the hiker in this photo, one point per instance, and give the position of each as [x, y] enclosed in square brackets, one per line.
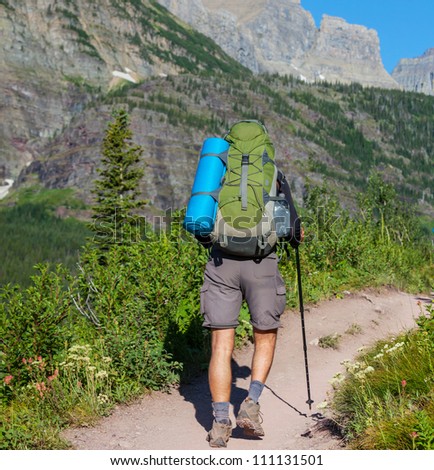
[228, 280]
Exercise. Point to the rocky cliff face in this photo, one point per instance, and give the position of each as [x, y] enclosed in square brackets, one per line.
[58, 55]
[345, 53]
[416, 74]
[47, 48]
[221, 24]
[279, 36]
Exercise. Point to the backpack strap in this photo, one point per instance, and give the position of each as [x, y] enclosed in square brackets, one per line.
[260, 248]
[222, 155]
[244, 177]
[266, 158]
[214, 194]
[223, 240]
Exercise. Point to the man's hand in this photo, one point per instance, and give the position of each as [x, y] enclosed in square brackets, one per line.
[298, 236]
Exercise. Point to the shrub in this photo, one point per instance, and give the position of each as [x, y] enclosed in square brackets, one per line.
[384, 401]
[33, 324]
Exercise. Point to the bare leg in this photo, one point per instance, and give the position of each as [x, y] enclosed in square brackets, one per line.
[249, 417]
[263, 355]
[220, 372]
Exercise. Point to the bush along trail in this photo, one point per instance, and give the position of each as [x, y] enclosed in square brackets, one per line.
[357, 321]
[75, 347]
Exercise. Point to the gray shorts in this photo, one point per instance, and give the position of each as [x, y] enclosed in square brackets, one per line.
[228, 281]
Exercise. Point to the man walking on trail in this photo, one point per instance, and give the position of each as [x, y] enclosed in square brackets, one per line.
[228, 280]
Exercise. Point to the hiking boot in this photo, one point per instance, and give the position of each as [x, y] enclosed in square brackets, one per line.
[249, 418]
[219, 434]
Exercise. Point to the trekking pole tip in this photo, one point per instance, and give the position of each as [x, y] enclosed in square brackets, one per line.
[309, 402]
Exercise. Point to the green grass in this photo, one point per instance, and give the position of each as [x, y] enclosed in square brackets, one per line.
[354, 330]
[329, 341]
[384, 401]
[51, 198]
[31, 233]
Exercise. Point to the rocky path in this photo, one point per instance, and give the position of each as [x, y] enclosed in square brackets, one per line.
[181, 419]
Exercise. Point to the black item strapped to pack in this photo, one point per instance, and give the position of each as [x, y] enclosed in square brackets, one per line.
[294, 237]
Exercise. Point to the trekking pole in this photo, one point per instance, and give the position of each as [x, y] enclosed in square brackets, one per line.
[300, 298]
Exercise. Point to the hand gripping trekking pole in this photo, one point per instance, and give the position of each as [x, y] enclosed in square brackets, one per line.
[300, 298]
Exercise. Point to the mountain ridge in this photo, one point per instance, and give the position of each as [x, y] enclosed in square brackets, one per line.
[55, 106]
[416, 74]
[280, 36]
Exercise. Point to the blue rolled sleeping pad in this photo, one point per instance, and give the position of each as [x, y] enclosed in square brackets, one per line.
[202, 206]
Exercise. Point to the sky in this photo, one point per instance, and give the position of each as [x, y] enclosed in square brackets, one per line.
[405, 27]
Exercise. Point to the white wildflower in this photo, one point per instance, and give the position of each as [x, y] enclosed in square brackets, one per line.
[395, 348]
[101, 374]
[78, 348]
[337, 379]
[83, 358]
[352, 367]
[102, 399]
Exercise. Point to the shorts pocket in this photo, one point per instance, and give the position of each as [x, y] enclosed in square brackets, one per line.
[203, 294]
[280, 295]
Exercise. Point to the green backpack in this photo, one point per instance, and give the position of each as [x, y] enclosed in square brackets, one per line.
[244, 225]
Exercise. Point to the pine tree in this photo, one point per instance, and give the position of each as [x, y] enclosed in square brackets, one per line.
[115, 218]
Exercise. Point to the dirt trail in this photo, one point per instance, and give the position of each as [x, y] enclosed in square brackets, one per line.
[181, 419]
